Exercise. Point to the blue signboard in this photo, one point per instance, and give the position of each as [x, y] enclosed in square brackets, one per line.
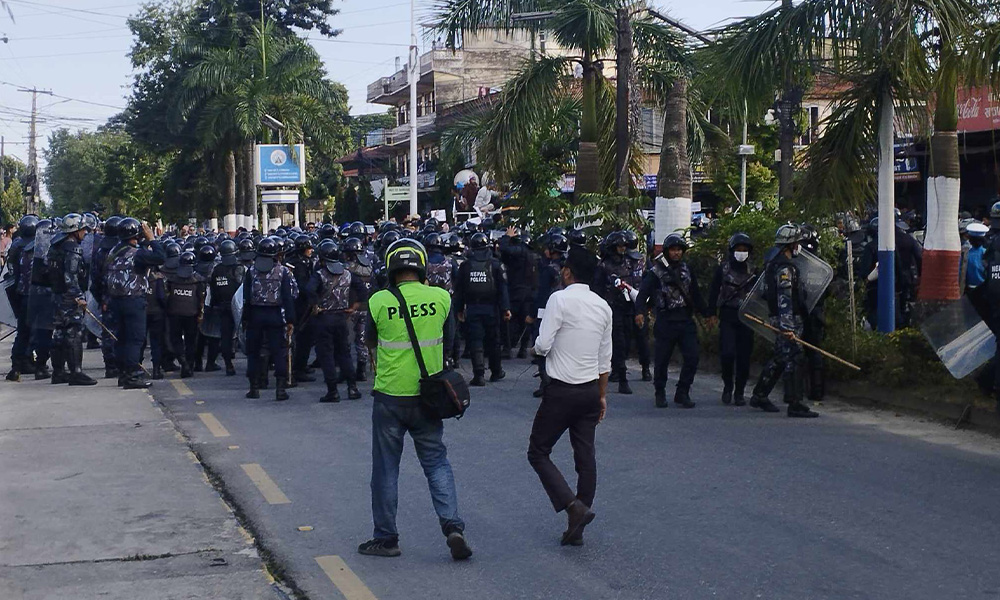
[280, 164]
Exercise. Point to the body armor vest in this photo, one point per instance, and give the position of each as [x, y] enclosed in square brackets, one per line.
[225, 280]
[481, 286]
[182, 296]
[153, 306]
[439, 274]
[616, 270]
[735, 285]
[335, 295]
[24, 272]
[555, 266]
[675, 286]
[266, 287]
[121, 277]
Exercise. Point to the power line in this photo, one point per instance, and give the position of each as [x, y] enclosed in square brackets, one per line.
[63, 55]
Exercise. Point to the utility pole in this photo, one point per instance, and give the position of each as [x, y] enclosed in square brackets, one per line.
[414, 75]
[622, 114]
[31, 195]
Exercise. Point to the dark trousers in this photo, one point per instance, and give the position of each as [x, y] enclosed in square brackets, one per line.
[332, 346]
[156, 330]
[304, 341]
[668, 335]
[785, 364]
[358, 322]
[227, 329]
[107, 342]
[483, 339]
[521, 309]
[735, 347]
[183, 337]
[265, 325]
[130, 327]
[641, 335]
[19, 349]
[622, 325]
[578, 409]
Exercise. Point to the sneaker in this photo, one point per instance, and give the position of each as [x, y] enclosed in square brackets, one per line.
[460, 549]
[380, 547]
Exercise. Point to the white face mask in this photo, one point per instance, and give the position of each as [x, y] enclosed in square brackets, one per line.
[797, 251]
[741, 256]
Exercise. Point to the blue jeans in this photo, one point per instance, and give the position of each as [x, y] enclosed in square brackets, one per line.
[390, 423]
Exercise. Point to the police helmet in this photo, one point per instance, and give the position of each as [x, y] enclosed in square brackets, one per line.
[173, 252]
[129, 229]
[26, 226]
[187, 259]
[111, 226]
[614, 239]
[353, 245]
[328, 231]
[199, 242]
[268, 247]
[675, 240]
[577, 237]
[790, 233]
[247, 248]
[557, 242]
[389, 238]
[188, 247]
[810, 237]
[329, 251]
[207, 253]
[432, 241]
[90, 221]
[479, 241]
[406, 254]
[72, 222]
[452, 242]
[740, 239]
[486, 224]
[995, 211]
[432, 222]
[631, 239]
[357, 229]
[556, 230]
[303, 243]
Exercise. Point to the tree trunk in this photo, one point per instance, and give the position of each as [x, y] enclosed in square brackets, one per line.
[673, 179]
[942, 245]
[229, 182]
[587, 163]
[249, 203]
[622, 112]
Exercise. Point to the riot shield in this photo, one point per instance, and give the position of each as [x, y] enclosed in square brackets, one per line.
[7, 316]
[88, 319]
[211, 324]
[960, 338]
[87, 245]
[43, 240]
[815, 276]
[237, 305]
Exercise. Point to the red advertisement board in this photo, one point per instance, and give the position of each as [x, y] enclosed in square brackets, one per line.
[978, 110]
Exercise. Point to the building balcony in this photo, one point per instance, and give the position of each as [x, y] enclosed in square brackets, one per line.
[394, 90]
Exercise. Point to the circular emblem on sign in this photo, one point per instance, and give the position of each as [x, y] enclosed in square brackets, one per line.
[278, 157]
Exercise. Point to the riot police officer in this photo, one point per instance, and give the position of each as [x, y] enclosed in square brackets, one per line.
[302, 264]
[225, 280]
[611, 282]
[358, 261]
[334, 294]
[109, 240]
[41, 308]
[637, 262]
[555, 247]
[247, 252]
[68, 279]
[522, 279]
[17, 284]
[786, 304]
[733, 281]
[268, 313]
[125, 283]
[481, 298]
[673, 286]
[814, 328]
[442, 272]
[185, 293]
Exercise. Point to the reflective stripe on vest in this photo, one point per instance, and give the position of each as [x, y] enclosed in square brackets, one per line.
[407, 344]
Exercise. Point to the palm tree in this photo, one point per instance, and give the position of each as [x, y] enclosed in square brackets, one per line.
[228, 90]
[885, 55]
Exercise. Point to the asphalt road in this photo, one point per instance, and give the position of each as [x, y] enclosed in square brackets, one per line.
[714, 502]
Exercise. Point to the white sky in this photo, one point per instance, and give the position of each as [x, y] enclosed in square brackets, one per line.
[77, 50]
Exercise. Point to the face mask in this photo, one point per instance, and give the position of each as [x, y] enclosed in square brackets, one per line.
[741, 256]
[797, 250]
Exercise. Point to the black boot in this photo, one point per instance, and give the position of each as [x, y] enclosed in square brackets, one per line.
[361, 372]
[623, 386]
[727, 394]
[136, 381]
[682, 398]
[497, 375]
[186, 370]
[74, 359]
[763, 403]
[332, 395]
[614, 377]
[279, 389]
[212, 366]
[478, 369]
[801, 410]
[170, 366]
[15, 370]
[254, 391]
[353, 393]
[59, 373]
[303, 377]
[661, 399]
[157, 371]
[230, 369]
[478, 379]
[738, 399]
[647, 375]
[41, 371]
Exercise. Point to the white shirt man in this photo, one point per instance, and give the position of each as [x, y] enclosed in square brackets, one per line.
[575, 338]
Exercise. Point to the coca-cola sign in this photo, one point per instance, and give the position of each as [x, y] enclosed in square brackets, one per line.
[978, 110]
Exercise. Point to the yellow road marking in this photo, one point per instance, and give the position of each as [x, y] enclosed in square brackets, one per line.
[213, 425]
[306, 528]
[181, 387]
[349, 584]
[265, 484]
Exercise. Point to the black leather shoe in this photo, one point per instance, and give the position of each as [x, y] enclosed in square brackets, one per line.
[683, 399]
[81, 378]
[579, 516]
[157, 372]
[624, 387]
[661, 400]
[647, 375]
[110, 373]
[136, 383]
[42, 372]
[764, 404]
[459, 547]
[739, 400]
[304, 377]
[253, 394]
[353, 393]
[279, 390]
[230, 369]
[332, 395]
[59, 377]
[801, 411]
[13, 375]
[212, 367]
[494, 377]
[727, 395]
[478, 380]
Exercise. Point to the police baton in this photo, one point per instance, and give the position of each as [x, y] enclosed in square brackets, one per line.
[289, 354]
[113, 336]
[8, 334]
[795, 338]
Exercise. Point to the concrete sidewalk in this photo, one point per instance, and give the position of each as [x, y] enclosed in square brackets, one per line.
[101, 498]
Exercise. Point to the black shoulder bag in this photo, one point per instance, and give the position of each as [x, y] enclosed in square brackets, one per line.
[444, 395]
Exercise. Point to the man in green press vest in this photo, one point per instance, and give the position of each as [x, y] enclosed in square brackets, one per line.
[396, 409]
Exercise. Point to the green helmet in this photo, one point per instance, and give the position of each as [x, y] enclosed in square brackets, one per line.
[72, 222]
[788, 234]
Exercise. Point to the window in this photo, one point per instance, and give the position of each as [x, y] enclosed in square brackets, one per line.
[811, 126]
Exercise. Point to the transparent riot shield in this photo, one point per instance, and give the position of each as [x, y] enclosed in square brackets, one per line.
[237, 305]
[43, 241]
[960, 338]
[89, 321]
[87, 245]
[6, 310]
[815, 276]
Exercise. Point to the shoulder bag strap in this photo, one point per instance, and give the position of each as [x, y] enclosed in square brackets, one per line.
[404, 309]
